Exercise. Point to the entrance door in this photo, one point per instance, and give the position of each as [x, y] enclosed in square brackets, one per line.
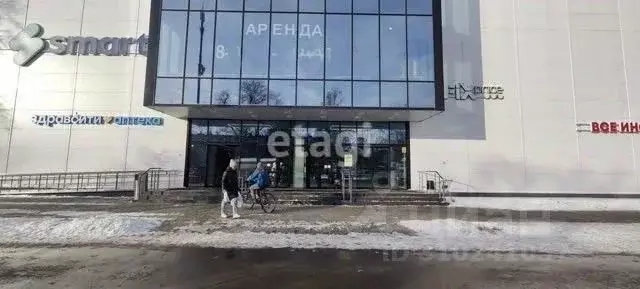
[373, 168]
[218, 158]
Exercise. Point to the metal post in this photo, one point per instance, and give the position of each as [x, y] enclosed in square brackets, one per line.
[117, 175]
[350, 187]
[343, 184]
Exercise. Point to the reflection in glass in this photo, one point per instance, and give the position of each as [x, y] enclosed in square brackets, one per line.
[393, 94]
[310, 93]
[392, 6]
[168, 91]
[398, 133]
[197, 164]
[249, 131]
[257, 5]
[199, 49]
[253, 92]
[230, 5]
[283, 46]
[421, 60]
[197, 91]
[227, 50]
[255, 56]
[393, 47]
[398, 170]
[338, 93]
[421, 95]
[222, 131]
[173, 30]
[374, 132]
[201, 4]
[174, 4]
[282, 92]
[199, 130]
[311, 5]
[311, 46]
[225, 92]
[365, 6]
[365, 47]
[366, 94]
[338, 49]
[285, 6]
[419, 7]
[338, 6]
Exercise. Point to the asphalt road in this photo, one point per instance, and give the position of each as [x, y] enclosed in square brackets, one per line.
[143, 268]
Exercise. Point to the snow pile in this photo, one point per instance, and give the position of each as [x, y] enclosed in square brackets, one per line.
[74, 230]
[296, 227]
[548, 204]
[435, 235]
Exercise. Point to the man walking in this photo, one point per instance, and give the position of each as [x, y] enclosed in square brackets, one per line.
[230, 189]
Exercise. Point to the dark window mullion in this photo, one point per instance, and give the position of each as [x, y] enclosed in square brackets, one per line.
[406, 47]
[241, 54]
[186, 47]
[269, 54]
[213, 58]
[297, 45]
[380, 56]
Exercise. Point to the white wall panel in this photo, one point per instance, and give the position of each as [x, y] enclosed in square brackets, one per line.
[9, 75]
[38, 150]
[101, 149]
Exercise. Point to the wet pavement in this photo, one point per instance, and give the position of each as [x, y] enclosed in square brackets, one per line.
[179, 268]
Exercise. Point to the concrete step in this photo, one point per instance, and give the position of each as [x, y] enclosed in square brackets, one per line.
[307, 198]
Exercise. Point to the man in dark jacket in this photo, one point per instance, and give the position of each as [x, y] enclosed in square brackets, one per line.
[230, 189]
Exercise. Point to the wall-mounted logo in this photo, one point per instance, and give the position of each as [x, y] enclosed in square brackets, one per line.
[462, 92]
[29, 45]
[609, 127]
[76, 119]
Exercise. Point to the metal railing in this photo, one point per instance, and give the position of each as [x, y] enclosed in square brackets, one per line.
[86, 182]
[433, 182]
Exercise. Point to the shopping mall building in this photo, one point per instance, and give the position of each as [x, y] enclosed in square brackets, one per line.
[498, 95]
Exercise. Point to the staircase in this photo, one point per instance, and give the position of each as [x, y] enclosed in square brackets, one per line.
[311, 197]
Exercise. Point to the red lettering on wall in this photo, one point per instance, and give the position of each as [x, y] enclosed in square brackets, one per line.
[604, 127]
[634, 127]
[614, 127]
[595, 127]
[625, 127]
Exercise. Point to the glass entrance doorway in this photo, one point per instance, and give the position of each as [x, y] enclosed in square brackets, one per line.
[218, 158]
[300, 154]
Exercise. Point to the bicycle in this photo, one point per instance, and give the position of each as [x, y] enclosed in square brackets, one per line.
[266, 200]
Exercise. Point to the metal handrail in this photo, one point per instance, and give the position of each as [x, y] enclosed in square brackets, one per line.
[434, 181]
[103, 181]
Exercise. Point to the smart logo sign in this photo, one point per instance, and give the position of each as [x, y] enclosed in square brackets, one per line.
[29, 45]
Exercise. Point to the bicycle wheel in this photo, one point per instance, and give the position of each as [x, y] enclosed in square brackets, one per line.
[268, 202]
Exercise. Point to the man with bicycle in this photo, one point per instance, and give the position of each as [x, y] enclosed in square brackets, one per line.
[258, 180]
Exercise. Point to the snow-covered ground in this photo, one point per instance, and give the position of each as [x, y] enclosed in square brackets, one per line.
[441, 235]
[548, 204]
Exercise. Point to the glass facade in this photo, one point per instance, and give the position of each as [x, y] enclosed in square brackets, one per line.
[300, 154]
[305, 53]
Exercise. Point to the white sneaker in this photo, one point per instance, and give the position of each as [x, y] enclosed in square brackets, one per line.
[236, 216]
[224, 216]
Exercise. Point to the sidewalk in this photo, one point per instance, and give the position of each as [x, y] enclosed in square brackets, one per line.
[67, 221]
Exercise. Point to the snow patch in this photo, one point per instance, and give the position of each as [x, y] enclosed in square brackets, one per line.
[73, 231]
[548, 204]
[56, 204]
